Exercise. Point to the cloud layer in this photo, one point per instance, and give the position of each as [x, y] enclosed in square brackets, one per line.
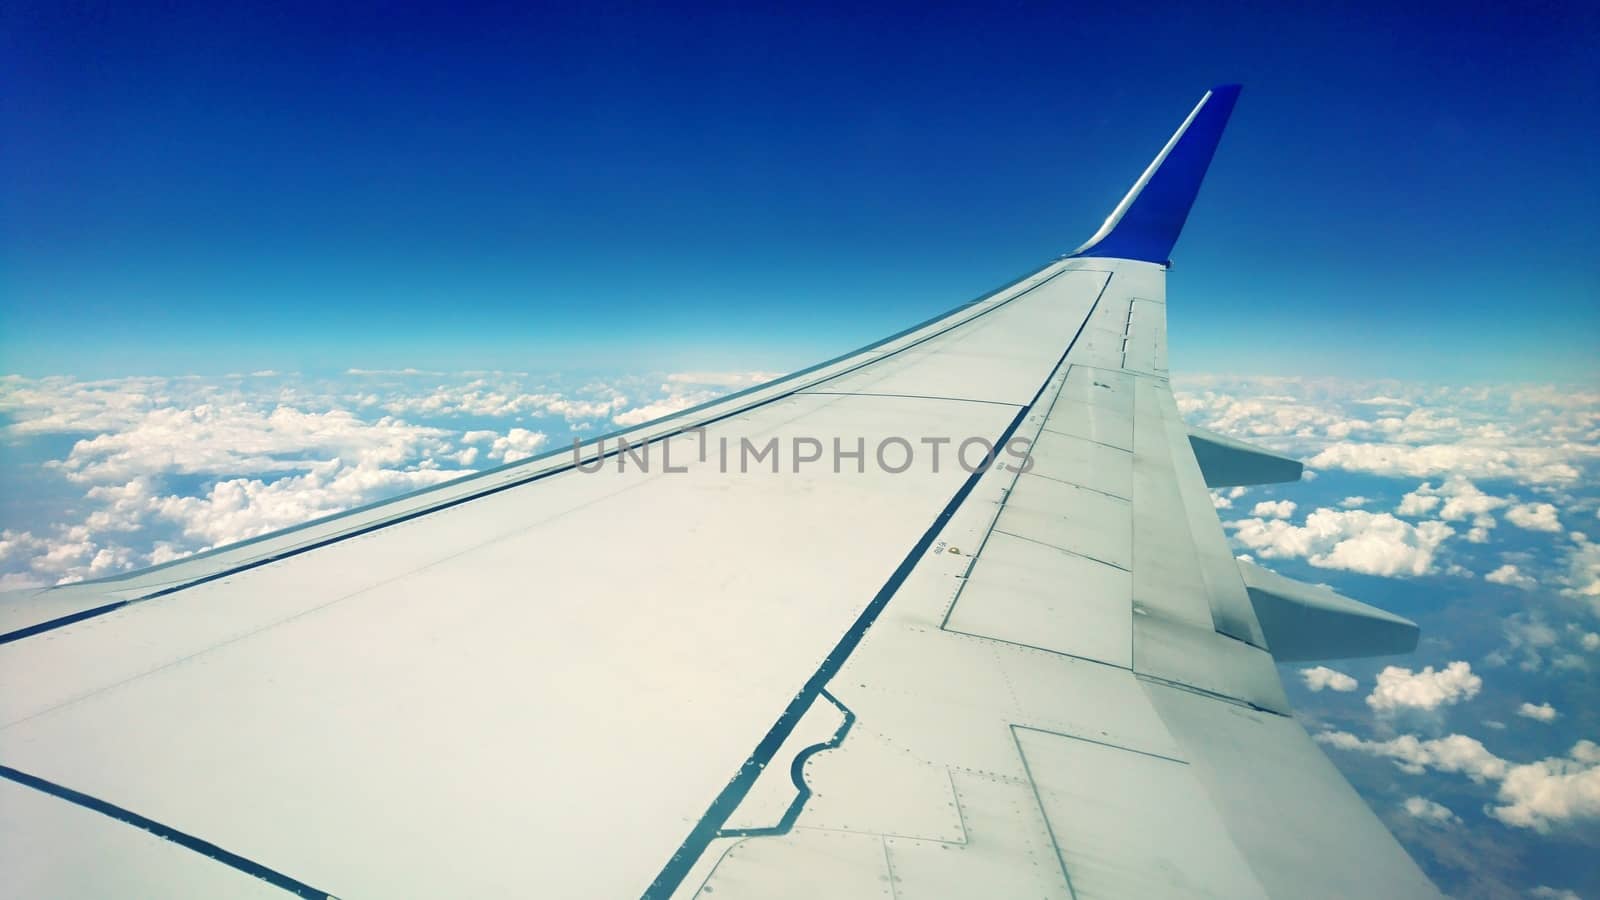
[151, 469]
[1552, 792]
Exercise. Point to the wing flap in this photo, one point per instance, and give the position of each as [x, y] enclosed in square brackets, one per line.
[1230, 462]
[1309, 621]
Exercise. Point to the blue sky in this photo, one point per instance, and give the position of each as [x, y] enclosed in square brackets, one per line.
[222, 188]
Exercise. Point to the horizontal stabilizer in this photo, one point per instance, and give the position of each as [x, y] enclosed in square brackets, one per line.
[1308, 621]
[1227, 462]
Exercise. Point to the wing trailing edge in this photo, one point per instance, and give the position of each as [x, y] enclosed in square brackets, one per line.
[1146, 224]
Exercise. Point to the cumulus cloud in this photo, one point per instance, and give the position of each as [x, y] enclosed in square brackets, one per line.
[169, 466]
[729, 380]
[1355, 540]
[1552, 792]
[1456, 499]
[1544, 712]
[1454, 753]
[173, 465]
[1419, 502]
[1428, 811]
[1222, 498]
[1534, 517]
[1407, 430]
[1264, 417]
[484, 398]
[155, 468]
[1533, 465]
[240, 437]
[684, 390]
[1464, 500]
[1274, 509]
[518, 443]
[1355, 502]
[652, 411]
[1401, 689]
[238, 508]
[1508, 574]
[1320, 677]
[1582, 577]
[1532, 642]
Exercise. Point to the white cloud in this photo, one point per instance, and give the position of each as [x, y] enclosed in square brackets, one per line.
[1534, 517]
[518, 443]
[240, 437]
[1275, 509]
[1591, 641]
[1508, 574]
[1319, 677]
[1552, 792]
[169, 466]
[17, 546]
[1417, 503]
[1222, 498]
[1544, 712]
[1355, 502]
[1545, 892]
[1531, 641]
[238, 508]
[1582, 578]
[1400, 689]
[1355, 540]
[1463, 500]
[158, 468]
[652, 411]
[1272, 416]
[1533, 465]
[685, 390]
[730, 380]
[484, 398]
[1428, 811]
[1456, 499]
[1455, 753]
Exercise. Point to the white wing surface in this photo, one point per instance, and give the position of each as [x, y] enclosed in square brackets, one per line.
[803, 641]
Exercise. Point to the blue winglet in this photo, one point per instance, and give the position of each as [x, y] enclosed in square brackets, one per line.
[1146, 224]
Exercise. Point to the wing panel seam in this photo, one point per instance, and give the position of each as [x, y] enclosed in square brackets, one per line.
[166, 832]
[704, 832]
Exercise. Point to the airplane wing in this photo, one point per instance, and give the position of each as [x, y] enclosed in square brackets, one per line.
[951, 615]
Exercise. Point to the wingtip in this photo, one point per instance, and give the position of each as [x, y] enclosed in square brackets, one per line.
[1146, 224]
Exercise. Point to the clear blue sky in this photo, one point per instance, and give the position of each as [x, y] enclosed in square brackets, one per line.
[227, 187]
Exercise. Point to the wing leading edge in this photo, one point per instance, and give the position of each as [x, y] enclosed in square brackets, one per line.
[991, 682]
